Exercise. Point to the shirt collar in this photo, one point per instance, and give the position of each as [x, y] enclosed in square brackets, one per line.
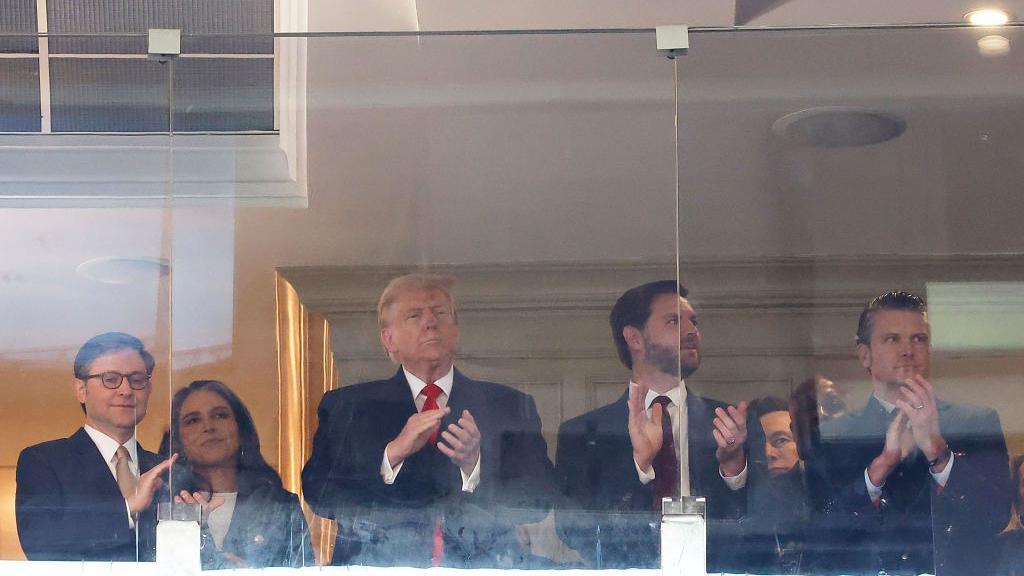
[416, 385]
[888, 406]
[677, 395]
[108, 446]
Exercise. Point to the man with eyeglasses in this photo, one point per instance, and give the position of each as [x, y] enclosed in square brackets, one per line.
[89, 496]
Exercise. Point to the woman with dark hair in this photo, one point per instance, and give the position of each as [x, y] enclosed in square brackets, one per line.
[1011, 542]
[249, 519]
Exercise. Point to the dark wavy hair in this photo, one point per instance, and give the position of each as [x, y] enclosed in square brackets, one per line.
[633, 308]
[252, 468]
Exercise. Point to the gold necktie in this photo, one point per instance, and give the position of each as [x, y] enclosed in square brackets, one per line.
[126, 479]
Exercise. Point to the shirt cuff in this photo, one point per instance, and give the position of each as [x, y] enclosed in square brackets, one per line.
[874, 492]
[736, 482]
[645, 477]
[128, 510]
[942, 477]
[470, 483]
[386, 471]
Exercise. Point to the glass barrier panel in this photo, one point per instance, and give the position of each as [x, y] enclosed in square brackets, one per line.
[848, 232]
[86, 296]
[526, 181]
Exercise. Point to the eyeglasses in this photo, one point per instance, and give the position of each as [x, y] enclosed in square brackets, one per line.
[112, 380]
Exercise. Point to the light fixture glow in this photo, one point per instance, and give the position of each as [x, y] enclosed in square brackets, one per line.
[988, 17]
[994, 46]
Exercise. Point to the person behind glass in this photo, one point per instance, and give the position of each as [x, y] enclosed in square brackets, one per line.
[659, 439]
[775, 529]
[249, 519]
[911, 483]
[427, 467]
[1011, 542]
[88, 496]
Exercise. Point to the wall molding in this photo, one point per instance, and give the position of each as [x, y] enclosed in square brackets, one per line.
[790, 285]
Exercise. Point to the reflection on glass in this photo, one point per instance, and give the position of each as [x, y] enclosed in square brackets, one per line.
[808, 188]
[249, 519]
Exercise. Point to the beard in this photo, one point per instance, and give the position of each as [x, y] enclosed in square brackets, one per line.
[666, 360]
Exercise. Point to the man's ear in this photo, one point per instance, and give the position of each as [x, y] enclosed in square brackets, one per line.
[864, 354]
[387, 341]
[79, 388]
[634, 339]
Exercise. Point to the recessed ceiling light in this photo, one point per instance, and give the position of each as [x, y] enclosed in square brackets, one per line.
[838, 127]
[987, 17]
[114, 270]
[994, 46]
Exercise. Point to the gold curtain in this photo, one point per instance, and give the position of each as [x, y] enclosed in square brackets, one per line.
[306, 370]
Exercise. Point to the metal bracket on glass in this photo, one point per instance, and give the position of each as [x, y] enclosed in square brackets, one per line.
[684, 536]
[672, 40]
[164, 43]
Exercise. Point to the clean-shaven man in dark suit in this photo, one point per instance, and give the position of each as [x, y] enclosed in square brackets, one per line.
[910, 484]
[82, 497]
[615, 464]
[427, 467]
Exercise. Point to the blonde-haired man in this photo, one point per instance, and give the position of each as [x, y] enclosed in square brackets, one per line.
[427, 467]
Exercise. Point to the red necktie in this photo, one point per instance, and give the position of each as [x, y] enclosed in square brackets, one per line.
[666, 463]
[432, 391]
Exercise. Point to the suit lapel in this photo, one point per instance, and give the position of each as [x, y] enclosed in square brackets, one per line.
[876, 417]
[91, 466]
[147, 459]
[465, 396]
[391, 405]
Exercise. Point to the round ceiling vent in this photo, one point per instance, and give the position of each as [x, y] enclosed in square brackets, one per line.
[112, 270]
[838, 127]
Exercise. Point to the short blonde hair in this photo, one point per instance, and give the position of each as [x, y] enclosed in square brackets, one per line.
[412, 283]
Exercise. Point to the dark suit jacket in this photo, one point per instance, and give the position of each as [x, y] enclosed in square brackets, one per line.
[267, 529]
[916, 528]
[381, 524]
[68, 505]
[608, 515]
[775, 528]
[1011, 550]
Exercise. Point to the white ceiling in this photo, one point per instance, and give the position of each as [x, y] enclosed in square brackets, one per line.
[561, 148]
[424, 15]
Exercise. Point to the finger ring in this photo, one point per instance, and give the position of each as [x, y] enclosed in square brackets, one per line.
[918, 407]
[730, 441]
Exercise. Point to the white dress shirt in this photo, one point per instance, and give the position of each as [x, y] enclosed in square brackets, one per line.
[416, 386]
[940, 477]
[108, 449]
[677, 412]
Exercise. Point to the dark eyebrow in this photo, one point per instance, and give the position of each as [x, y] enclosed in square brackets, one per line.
[192, 413]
